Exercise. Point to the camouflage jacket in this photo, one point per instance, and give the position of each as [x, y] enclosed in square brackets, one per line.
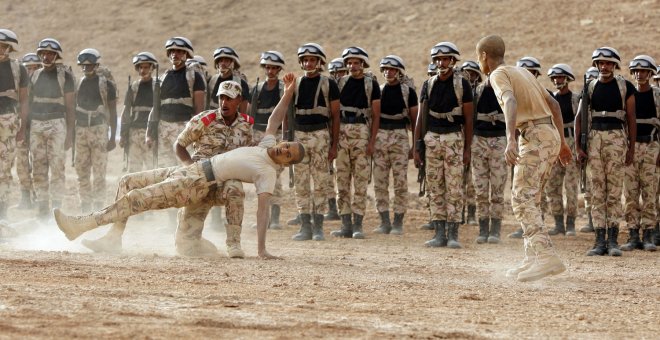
[209, 135]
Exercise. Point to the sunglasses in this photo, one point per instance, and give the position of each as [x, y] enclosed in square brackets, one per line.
[602, 52]
[224, 50]
[637, 63]
[50, 44]
[354, 50]
[177, 42]
[272, 57]
[443, 49]
[5, 37]
[31, 59]
[390, 62]
[528, 64]
[87, 57]
[310, 50]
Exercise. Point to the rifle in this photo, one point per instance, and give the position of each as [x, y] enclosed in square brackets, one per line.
[254, 100]
[156, 120]
[126, 126]
[584, 132]
[421, 147]
[291, 134]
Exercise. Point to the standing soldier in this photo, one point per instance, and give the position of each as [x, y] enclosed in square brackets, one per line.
[612, 107]
[431, 71]
[52, 117]
[228, 65]
[203, 65]
[473, 74]
[641, 180]
[96, 110]
[446, 101]
[591, 74]
[564, 179]
[31, 62]
[13, 111]
[360, 115]
[268, 95]
[316, 102]
[398, 110]
[337, 69]
[137, 104]
[489, 168]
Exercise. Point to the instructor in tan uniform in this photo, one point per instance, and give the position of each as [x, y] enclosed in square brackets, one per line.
[530, 109]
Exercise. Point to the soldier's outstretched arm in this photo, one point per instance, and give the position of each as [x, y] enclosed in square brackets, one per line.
[276, 118]
[263, 217]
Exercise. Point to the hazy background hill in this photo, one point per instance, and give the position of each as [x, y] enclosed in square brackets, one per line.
[552, 31]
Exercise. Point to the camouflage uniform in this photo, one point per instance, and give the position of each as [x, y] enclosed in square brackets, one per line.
[134, 125]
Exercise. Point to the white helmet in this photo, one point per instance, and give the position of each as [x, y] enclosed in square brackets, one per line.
[643, 62]
[592, 72]
[445, 49]
[313, 50]
[273, 58]
[30, 59]
[226, 52]
[657, 73]
[89, 56]
[529, 63]
[336, 65]
[607, 54]
[561, 70]
[50, 44]
[145, 57]
[356, 52]
[179, 43]
[9, 37]
[393, 61]
[200, 60]
[470, 65]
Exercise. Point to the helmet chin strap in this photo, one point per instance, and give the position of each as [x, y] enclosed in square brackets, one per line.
[560, 86]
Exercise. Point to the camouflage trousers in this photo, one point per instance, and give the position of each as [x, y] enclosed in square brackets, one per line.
[444, 175]
[167, 134]
[140, 156]
[331, 186]
[47, 149]
[641, 181]
[538, 147]
[23, 168]
[489, 174]
[607, 150]
[9, 125]
[470, 193]
[312, 173]
[563, 180]
[353, 167]
[276, 198]
[91, 157]
[391, 154]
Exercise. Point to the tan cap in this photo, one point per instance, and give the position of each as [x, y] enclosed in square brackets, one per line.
[230, 89]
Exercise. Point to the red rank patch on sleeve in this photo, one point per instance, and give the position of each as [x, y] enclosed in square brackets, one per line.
[208, 118]
[248, 118]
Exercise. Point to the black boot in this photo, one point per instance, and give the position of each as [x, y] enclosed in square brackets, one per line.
[452, 235]
[471, 218]
[317, 228]
[427, 226]
[570, 225]
[600, 248]
[483, 231]
[357, 226]
[495, 226]
[305, 232]
[332, 214]
[385, 224]
[633, 241]
[397, 226]
[43, 211]
[3, 210]
[657, 234]
[440, 238]
[612, 245]
[294, 221]
[26, 200]
[516, 234]
[559, 226]
[346, 230]
[648, 240]
[275, 217]
[589, 228]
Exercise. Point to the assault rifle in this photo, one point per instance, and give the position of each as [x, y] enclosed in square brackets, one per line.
[584, 132]
[126, 126]
[254, 100]
[155, 113]
[421, 147]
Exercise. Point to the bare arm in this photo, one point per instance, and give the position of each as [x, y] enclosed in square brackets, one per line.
[198, 102]
[182, 154]
[276, 118]
[334, 133]
[24, 106]
[69, 101]
[631, 120]
[467, 115]
[263, 217]
[510, 109]
[375, 125]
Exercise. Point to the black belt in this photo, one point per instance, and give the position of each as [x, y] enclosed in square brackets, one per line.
[353, 120]
[392, 126]
[445, 129]
[85, 121]
[646, 139]
[311, 127]
[259, 126]
[174, 118]
[606, 126]
[46, 116]
[7, 110]
[490, 133]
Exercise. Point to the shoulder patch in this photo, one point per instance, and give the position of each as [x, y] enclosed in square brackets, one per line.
[207, 119]
[248, 118]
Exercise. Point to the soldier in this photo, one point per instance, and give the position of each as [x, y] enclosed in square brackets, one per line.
[360, 115]
[203, 66]
[398, 109]
[641, 182]
[591, 74]
[52, 117]
[564, 179]
[96, 111]
[31, 62]
[431, 71]
[228, 65]
[489, 168]
[531, 110]
[446, 100]
[612, 105]
[268, 95]
[191, 184]
[13, 111]
[316, 105]
[473, 74]
[337, 69]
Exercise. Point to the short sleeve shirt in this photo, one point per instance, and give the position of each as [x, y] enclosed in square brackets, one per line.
[529, 94]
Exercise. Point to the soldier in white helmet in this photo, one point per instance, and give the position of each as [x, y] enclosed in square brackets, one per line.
[52, 121]
[202, 64]
[337, 68]
[473, 74]
[13, 111]
[591, 74]
[640, 183]
[563, 181]
[610, 147]
[228, 64]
